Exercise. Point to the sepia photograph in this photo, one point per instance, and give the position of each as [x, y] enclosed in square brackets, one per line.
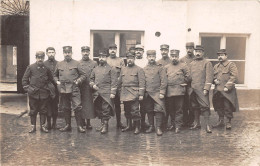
[130, 82]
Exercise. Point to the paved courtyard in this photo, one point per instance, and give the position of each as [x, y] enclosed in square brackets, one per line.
[239, 146]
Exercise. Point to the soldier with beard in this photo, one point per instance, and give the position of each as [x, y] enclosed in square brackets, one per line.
[201, 71]
[188, 114]
[87, 66]
[178, 76]
[68, 75]
[165, 60]
[35, 81]
[156, 83]
[103, 80]
[53, 103]
[132, 80]
[116, 63]
[225, 100]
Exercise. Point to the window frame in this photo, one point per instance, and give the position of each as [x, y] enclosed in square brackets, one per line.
[117, 39]
[223, 37]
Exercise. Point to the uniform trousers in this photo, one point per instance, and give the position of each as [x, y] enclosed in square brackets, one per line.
[223, 106]
[175, 106]
[102, 108]
[132, 110]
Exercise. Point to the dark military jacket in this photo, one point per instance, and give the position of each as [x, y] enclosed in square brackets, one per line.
[67, 73]
[36, 79]
[226, 73]
[117, 63]
[201, 72]
[132, 81]
[163, 61]
[86, 91]
[51, 64]
[187, 60]
[156, 83]
[105, 78]
[177, 74]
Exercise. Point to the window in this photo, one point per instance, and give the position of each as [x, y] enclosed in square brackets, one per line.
[101, 39]
[235, 46]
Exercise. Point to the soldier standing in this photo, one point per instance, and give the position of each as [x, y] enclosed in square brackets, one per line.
[103, 80]
[36, 81]
[201, 71]
[53, 103]
[156, 83]
[225, 100]
[68, 75]
[188, 114]
[87, 66]
[178, 76]
[165, 60]
[132, 80]
[116, 63]
[141, 62]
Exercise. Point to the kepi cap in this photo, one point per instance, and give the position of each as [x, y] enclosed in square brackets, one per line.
[151, 52]
[174, 52]
[85, 48]
[130, 55]
[112, 46]
[222, 51]
[40, 54]
[139, 46]
[190, 44]
[102, 53]
[67, 49]
[199, 47]
[164, 46]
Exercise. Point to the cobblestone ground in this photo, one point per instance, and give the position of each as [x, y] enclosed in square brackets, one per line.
[239, 146]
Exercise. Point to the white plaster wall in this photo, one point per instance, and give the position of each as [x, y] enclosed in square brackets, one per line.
[58, 22]
[68, 22]
[230, 17]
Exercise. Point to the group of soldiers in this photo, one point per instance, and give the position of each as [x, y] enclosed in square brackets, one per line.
[170, 89]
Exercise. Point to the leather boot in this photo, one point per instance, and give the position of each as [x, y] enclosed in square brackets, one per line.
[32, 129]
[88, 125]
[159, 131]
[42, 121]
[81, 129]
[79, 121]
[196, 124]
[129, 125]
[144, 125]
[104, 129]
[137, 127]
[159, 122]
[67, 127]
[83, 123]
[100, 127]
[228, 125]
[119, 125]
[150, 129]
[220, 123]
[54, 124]
[48, 126]
[151, 123]
[208, 128]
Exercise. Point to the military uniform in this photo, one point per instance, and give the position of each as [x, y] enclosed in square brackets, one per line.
[37, 82]
[156, 82]
[53, 102]
[188, 114]
[178, 76]
[165, 61]
[105, 78]
[201, 71]
[117, 63]
[85, 89]
[141, 62]
[132, 81]
[67, 72]
[225, 103]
